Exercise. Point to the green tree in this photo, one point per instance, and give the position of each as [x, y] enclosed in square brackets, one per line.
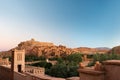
[43, 64]
[63, 70]
[76, 57]
[73, 71]
[59, 70]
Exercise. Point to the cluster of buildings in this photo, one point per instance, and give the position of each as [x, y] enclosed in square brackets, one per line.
[4, 61]
[17, 70]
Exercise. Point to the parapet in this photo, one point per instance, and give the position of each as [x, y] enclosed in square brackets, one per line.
[112, 69]
[112, 62]
[94, 73]
[15, 50]
[109, 70]
[91, 74]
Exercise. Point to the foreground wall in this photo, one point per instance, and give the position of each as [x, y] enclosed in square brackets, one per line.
[90, 74]
[35, 77]
[5, 73]
[19, 76]
[112, 69]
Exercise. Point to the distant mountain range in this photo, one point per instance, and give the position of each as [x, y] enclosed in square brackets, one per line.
[33, 47]
[103, 48]
[87, 50]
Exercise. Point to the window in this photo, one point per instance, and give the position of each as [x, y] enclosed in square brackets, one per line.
[19, 57]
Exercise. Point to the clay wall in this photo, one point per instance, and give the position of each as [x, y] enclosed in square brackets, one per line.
[90, 74]
[5, 73]
[19, 76]
[112, 69]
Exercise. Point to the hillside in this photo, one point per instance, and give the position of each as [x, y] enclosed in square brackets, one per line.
[33, 47]
[115, 50]
[87, 50]
[37, 48]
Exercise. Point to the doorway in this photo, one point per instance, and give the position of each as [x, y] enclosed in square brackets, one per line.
[19, 68]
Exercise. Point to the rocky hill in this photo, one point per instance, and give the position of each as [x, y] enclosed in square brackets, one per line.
[86, 50]
[115, 50]
[37, 48]
[33, 47]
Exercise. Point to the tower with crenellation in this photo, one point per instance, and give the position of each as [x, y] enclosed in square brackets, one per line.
[18, 60]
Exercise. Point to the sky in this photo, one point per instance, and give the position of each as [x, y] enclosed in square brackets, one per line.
[73, 23]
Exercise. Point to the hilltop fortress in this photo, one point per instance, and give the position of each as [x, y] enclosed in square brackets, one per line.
[33, 47]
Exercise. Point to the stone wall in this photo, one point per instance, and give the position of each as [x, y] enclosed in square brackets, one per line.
[5, 73]
[35, 77]
[112, 69]
[19, 76]
[90, 74]
[35, 70]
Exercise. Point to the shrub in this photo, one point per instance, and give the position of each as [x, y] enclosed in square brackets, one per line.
[76, 57]
[63, 70]
[43, 64]
[103, 57]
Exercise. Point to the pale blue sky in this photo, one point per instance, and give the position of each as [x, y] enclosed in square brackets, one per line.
[74, 23]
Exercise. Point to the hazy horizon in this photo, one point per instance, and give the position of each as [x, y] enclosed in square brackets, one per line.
[73, 23]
